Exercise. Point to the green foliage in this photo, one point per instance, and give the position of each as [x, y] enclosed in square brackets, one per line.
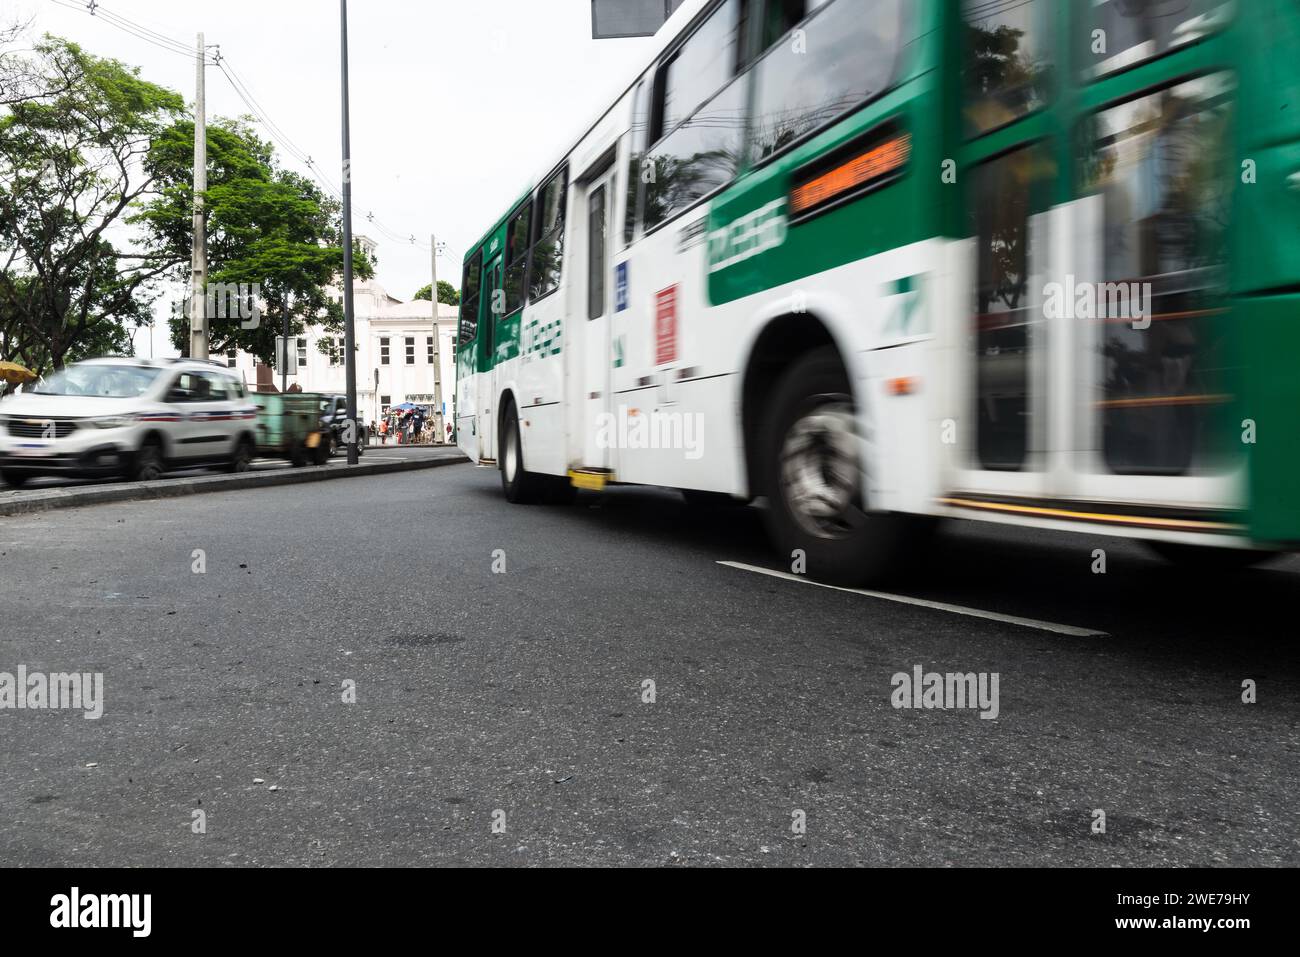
[447, 293]
[266, 225]
[72, 132]
[96, 214]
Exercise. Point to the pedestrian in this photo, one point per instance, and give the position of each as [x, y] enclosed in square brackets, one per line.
[383, 431]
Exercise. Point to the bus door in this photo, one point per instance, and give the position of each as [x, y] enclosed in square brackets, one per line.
[1002, 435]
[597, 360]
[1146, 295]
[492, 296]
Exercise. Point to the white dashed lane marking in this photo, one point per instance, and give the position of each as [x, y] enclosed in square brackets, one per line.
[1053, 627]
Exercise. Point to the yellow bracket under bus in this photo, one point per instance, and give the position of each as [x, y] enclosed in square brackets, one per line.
[594, 480]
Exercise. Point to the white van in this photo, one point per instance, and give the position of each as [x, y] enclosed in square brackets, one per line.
[134, 418]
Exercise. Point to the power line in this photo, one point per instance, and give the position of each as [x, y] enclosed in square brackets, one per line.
[273, 129]
[128, 26]
[242, 90]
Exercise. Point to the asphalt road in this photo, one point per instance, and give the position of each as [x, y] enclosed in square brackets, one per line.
[516, 698]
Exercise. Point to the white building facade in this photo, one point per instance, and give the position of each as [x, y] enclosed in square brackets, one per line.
[394, 347]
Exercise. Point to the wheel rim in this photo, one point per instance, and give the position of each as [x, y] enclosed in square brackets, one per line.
[512, 457]
[820, 471]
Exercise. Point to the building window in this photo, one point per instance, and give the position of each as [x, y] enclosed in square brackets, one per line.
[231, 356]
[429, 345]
[410, 350]
[383, 351]
[302, 353]
[336, 351]
[385, 403]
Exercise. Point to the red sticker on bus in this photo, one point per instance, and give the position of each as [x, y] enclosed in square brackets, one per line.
[666, 325]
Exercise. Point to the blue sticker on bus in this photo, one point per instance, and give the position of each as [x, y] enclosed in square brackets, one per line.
[620, 287]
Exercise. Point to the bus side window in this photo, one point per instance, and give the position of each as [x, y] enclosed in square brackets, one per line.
[1006, 69]
[636, 156]
[517, 257]
[548, 226]
[780, 16]
[1156, 163]
[596, 254]
[795, 93]
[696, 119]
[493, 297]
[469, 300]
[1006, 193]
[1137, 32]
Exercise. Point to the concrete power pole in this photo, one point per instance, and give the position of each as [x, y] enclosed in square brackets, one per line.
[439, 429]
[349, 316]
[199, 247]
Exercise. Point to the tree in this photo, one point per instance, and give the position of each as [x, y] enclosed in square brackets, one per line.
[447, 293]
[269, 229]
[73, 134]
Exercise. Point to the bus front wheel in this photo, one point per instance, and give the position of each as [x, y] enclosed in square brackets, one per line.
[813, 477]
[521, 486]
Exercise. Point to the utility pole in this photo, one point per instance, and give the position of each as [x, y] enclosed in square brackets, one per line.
[199, 246]
[284, 362]
[349, 323]
[439, 430]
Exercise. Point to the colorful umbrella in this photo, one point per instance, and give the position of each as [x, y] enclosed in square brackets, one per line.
[15, 374]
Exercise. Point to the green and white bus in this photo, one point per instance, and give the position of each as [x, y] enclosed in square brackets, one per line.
[884, 262]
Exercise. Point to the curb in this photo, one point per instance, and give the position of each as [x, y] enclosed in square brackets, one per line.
[178, 487]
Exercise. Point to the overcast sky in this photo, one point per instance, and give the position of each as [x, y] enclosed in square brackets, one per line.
[455, 105]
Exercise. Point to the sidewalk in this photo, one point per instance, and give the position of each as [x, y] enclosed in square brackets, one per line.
[377, 460]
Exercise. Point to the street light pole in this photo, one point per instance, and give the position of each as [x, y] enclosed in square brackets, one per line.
[349, 319]
[439, 430]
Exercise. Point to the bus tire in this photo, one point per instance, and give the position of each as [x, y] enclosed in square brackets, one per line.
[521, 487]
[812, 475]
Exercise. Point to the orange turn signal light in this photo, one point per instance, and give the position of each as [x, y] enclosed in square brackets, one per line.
[903, 385]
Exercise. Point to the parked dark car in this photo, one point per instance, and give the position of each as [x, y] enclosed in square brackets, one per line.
[334, 416]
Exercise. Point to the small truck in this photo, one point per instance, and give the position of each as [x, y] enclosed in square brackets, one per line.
[289, 426]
